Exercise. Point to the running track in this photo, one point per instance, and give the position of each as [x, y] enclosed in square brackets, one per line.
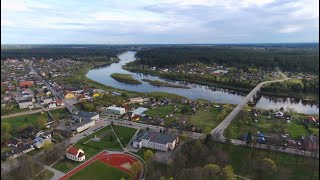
[104, 157]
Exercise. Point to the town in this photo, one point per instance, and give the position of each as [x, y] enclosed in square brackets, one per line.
[41, 110]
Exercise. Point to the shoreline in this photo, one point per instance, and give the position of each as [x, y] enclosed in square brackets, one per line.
[164, 84]
[245, 90]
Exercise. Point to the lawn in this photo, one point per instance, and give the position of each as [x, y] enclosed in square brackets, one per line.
[208, 118]
[99, 171]
[23, 121]
[91, 148]
[59, 113]
[33, 152]
[124, 133]
[160, 111]
[296, 130]
[45, 175]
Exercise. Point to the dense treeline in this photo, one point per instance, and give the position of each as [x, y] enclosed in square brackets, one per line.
[97, 53]
[205, 159]
[288, 59]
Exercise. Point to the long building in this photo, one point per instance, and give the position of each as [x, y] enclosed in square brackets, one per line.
[156, 140]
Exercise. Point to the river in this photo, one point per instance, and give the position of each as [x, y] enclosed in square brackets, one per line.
[196, 91]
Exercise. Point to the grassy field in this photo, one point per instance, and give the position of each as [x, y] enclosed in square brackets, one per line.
[124, 133]
[91, 148]
[208, 118]
[59, 113]
[45, 175]
[20, 122]
[160, 111]
[127, 78]
[99, 171]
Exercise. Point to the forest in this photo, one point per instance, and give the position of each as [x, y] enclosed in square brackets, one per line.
[206, 159]
[287, 59]
[96, 53]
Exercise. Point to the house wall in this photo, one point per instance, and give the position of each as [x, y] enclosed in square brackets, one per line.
[24, 105]
[85, 126]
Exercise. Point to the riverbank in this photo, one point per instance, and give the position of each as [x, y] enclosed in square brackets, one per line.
[304, 97]
[164, 84]
[126, 78]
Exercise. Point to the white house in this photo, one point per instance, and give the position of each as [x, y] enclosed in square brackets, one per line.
[52, 105]
[75, 154]
[136, 100]
[115, 110]
[156, 140]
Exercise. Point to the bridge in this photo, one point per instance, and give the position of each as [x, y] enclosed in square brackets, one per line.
[218, 131]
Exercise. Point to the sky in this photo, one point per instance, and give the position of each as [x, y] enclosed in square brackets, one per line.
[158, 21]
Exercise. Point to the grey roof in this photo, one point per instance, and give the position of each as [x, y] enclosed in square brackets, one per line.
[87, 115]
[139, 110]
[156, 137]
[83, 122]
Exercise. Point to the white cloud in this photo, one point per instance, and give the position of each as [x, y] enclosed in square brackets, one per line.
[290, 29]
[13, 6]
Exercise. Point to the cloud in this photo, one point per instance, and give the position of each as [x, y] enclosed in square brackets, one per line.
[160, 21]
[290, 29]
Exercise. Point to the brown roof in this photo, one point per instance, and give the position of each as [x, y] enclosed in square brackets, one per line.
[73, 150]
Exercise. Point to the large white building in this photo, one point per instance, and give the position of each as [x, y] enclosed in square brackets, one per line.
[75, 154]
[156, 140]
[115, 110]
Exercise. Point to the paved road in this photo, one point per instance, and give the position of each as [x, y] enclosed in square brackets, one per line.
[153, 128]
[218, 131]
[31, 112]
[68, 105]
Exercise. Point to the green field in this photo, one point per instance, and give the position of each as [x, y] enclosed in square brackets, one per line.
[91, 148]
[208, 118]
[160, 111]
[21, 122]
[124, 133]
[59, 113]
[127, 78]
[45, 175]
[99, 171]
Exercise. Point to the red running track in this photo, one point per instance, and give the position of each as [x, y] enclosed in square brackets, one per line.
[115, 160]
[83, 165]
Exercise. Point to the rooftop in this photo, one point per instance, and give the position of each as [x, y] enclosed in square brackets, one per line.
[157, 137]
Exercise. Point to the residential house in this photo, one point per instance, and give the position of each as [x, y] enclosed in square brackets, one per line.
[136, 100]
[25, 103]
[13, 142]
[156, 140]
[60, 102]
[26, 84]
[52, 105]
[75, 154]
[68, 95]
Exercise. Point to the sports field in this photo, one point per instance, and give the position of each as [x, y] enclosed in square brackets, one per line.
[105, 165]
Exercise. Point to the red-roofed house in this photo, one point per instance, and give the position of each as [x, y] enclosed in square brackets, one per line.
[75, 154]
[25, 84]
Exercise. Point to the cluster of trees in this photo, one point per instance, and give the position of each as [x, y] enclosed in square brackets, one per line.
[85, 53]
[297, 59]
[305, 86]
[206, 159]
